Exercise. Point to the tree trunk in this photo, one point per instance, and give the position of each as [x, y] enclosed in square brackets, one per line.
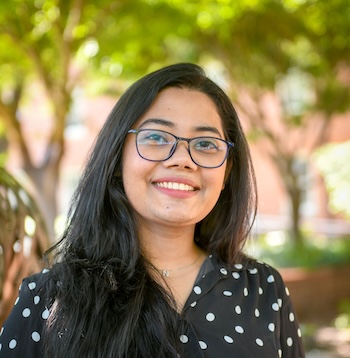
[46, 181]
[295, 203]
[291, 182]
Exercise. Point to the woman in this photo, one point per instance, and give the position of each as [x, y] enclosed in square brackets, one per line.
[151, 263]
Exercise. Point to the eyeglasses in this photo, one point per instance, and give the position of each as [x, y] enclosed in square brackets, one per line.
[157, 146]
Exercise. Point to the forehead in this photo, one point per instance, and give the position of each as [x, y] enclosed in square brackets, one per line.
[184, 108]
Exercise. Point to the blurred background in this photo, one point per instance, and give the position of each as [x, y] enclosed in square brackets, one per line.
[284, 63]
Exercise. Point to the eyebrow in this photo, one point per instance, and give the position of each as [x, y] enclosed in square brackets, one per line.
[170, 124]
[163, 122]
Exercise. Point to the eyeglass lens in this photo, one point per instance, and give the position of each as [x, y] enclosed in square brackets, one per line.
[157, 145]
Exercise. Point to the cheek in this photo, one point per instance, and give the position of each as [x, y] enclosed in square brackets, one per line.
[136, 173]
[220, 177]
[129, 169]
[216, 181]
[133, 188]
[132, 172]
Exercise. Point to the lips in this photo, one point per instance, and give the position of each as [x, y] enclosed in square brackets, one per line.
[175, 186]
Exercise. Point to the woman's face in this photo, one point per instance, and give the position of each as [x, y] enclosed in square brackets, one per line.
[175, 192]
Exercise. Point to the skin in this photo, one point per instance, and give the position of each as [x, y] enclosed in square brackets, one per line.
[167, 217]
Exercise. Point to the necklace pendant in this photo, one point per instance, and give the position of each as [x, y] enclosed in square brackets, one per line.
[165, 273]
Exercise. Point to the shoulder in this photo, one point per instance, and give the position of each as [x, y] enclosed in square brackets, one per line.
[247, 264]
[251, 272]
[21, 333]
[33, 294]
[266, 271]
[36, 287]
[37, 282]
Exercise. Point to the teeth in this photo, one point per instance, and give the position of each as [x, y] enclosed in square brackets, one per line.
[175, 186]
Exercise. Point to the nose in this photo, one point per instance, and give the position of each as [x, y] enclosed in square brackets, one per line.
[181, 157]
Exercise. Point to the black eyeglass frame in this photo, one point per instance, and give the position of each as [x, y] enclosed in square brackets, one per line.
[178, 139]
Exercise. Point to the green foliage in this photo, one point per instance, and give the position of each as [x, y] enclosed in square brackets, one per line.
[342, 321]
[103, 45]
[333, 161]
[312, 253]
[141, 36]
[256, 40]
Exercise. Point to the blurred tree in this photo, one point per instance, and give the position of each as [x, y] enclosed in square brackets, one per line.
[288, 65]
[55, 43]
[288, 53]
[333, 161]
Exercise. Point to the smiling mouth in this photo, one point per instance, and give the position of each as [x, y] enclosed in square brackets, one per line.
[175, 186]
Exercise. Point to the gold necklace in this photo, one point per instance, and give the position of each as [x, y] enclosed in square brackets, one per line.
[166, 272]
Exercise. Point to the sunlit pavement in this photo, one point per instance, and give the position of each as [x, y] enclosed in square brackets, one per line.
[329, 342]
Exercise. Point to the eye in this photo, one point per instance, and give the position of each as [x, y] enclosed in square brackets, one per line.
[208, 145]
[154, 138]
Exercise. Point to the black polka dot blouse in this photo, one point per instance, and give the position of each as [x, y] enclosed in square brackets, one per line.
[244, 312]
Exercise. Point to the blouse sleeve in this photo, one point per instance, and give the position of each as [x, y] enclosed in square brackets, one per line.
[21, 333]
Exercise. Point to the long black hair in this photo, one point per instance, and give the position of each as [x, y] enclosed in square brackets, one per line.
[105, 302]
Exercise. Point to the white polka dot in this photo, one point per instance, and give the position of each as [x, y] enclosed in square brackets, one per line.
[223, 271]
[17, 299]
[45, 314]
[227, 293]
[36, 300]
[280, 353]
[238, 266]
[2, 331]
[291, 317]
[261, 291]
[203, 345]
[259, 342]
[289, 341]
[12, 344]
[275, 307]
[257, 313]
[236, 275]
[228, 339]
[287, 291]
[271, 327]
[253, 271]
[299, 332]
[197, 290]
[193, 304]
[183, 338]
[0, 346]
[45, 270]
[238, 309]
[32, 285]
[26, 312]
[35, 336]
[279, 301]
[239, 329]
[245, 292]
[210, 317]
[270, 279]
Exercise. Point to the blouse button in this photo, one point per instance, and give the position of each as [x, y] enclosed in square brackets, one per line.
[197, 290]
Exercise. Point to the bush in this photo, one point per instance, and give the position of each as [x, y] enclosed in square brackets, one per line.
[276, 249]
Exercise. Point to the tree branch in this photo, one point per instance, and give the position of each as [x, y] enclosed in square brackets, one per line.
[14, 130]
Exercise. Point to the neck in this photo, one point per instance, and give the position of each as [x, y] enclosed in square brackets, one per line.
[176, 257]
[169, 249]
